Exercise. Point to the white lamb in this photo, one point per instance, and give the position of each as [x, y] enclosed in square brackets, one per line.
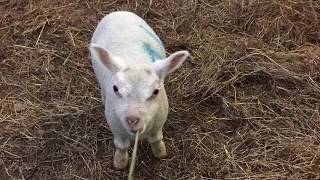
[130, 64]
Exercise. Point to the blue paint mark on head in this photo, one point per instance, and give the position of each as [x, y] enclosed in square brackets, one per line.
[153, 55]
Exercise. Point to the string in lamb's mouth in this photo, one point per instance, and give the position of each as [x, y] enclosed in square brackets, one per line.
[140, 129]
[134, 131]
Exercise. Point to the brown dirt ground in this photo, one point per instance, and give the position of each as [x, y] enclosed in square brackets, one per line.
[244, 106]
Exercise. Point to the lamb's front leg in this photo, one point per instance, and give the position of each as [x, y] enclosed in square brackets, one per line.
[121, 156]
[157, 145]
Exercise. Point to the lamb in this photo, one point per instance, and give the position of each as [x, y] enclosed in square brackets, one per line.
[130, 65]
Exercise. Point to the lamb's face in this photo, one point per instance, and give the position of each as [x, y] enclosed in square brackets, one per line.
[135, 96]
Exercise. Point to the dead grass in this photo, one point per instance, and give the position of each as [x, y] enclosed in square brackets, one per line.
[244, 106]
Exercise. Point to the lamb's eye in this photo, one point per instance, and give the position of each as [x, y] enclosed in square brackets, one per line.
[155, 92]
[115, 89]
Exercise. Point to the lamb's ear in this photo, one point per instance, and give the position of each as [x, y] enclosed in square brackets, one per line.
[170, 64]
[113, 63]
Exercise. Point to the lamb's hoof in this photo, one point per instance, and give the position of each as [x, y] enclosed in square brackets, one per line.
[120, 160]
[159, 149]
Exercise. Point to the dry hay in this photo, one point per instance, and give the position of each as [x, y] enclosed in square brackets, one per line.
[244, 106]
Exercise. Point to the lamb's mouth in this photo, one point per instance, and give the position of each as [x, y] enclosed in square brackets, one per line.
[142, 129]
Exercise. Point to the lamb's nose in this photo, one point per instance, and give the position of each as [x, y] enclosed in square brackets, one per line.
[133, 120]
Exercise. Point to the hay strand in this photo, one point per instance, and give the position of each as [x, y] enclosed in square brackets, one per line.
[134, 156]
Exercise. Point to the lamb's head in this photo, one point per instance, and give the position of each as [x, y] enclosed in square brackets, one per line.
[137, 91]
